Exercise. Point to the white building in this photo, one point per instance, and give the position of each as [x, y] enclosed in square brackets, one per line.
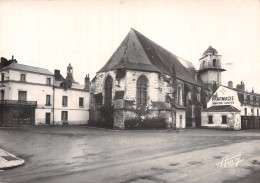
[32, 95]
[232, 108]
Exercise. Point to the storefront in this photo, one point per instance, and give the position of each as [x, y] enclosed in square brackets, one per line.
[226, 109]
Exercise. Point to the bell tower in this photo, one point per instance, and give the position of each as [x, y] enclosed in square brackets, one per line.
[210, 69]
[69, 77]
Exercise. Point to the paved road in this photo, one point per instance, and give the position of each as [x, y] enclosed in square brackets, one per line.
[78, 154]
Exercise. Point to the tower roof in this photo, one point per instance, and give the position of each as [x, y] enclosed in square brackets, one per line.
[137, 52]
[69, 66]
[210, 50]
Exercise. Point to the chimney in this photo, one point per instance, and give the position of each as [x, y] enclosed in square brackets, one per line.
[56, 74]
[241, 86]
[230, 84]
[87, 80]
[253, 90]
[13, 60]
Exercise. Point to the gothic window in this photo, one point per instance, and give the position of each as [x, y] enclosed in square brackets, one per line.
[108, 90]
[214, 62]
[141, 90]
[179, 95]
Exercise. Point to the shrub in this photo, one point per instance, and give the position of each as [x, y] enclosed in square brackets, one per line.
[154, 123]
[132, 124]
[149, 123]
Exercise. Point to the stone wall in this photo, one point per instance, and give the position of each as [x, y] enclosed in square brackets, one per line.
[159, 96]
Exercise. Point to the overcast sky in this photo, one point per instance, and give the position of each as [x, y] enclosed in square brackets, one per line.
[54, 33]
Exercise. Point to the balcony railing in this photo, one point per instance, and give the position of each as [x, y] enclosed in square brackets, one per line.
[18, 102]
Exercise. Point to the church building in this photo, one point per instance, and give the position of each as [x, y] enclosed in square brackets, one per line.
[142, 82]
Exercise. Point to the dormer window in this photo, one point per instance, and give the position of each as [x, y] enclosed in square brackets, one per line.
[48, 81]
[22, 77]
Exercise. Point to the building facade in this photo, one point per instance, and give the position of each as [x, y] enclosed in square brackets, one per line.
[31, 95]
[142, 81]
[232, 108]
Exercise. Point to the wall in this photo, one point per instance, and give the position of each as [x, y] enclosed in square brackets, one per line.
[183, 113]
[30, 77]
[224, 92]
[76, 114]
[233, 120]
[126, 108]
[37, 89]
[40, 116]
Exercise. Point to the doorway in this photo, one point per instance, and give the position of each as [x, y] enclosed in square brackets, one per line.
[48, 118]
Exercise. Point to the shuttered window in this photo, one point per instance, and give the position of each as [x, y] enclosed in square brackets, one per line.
[210, 120]
[81, 101]
[22, 96]
[64, 101]
[64, 115]
[22, 77]
[141, 91]
[48, 100]
[224, 119]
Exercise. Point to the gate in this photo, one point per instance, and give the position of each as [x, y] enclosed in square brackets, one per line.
[250, 122]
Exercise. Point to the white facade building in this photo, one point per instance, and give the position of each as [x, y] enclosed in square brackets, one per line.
[30, 95]
[232, 108]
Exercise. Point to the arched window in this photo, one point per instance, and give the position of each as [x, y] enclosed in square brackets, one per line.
[108, 91]
[214, 62]
[204, 63]
[179, 95]
[141, 90]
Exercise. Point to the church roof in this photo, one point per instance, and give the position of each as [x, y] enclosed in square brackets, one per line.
[210, 50]
[137, 52]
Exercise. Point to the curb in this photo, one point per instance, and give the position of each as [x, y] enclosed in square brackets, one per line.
[8, 160]
[101, 129]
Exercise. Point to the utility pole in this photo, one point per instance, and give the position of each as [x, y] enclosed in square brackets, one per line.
[173, 97]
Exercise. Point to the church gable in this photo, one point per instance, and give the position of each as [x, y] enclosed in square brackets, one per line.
[137, 52]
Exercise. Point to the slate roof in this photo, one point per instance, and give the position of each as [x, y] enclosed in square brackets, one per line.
[210, 50]
[244, 92]
[221, 108]
[60, 79]
[27, 68]
[137, 52]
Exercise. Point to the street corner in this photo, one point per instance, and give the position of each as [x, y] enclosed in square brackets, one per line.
[8, 160]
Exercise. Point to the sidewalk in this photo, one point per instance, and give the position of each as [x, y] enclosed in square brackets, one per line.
[8, 160]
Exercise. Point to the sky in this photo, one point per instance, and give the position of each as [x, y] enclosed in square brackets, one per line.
[53, 33]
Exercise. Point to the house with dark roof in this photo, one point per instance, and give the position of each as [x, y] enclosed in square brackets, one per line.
[143, 82]
[32, 95]
[232, 108]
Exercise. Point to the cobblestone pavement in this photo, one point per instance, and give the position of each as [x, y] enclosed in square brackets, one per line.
[78, 154]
